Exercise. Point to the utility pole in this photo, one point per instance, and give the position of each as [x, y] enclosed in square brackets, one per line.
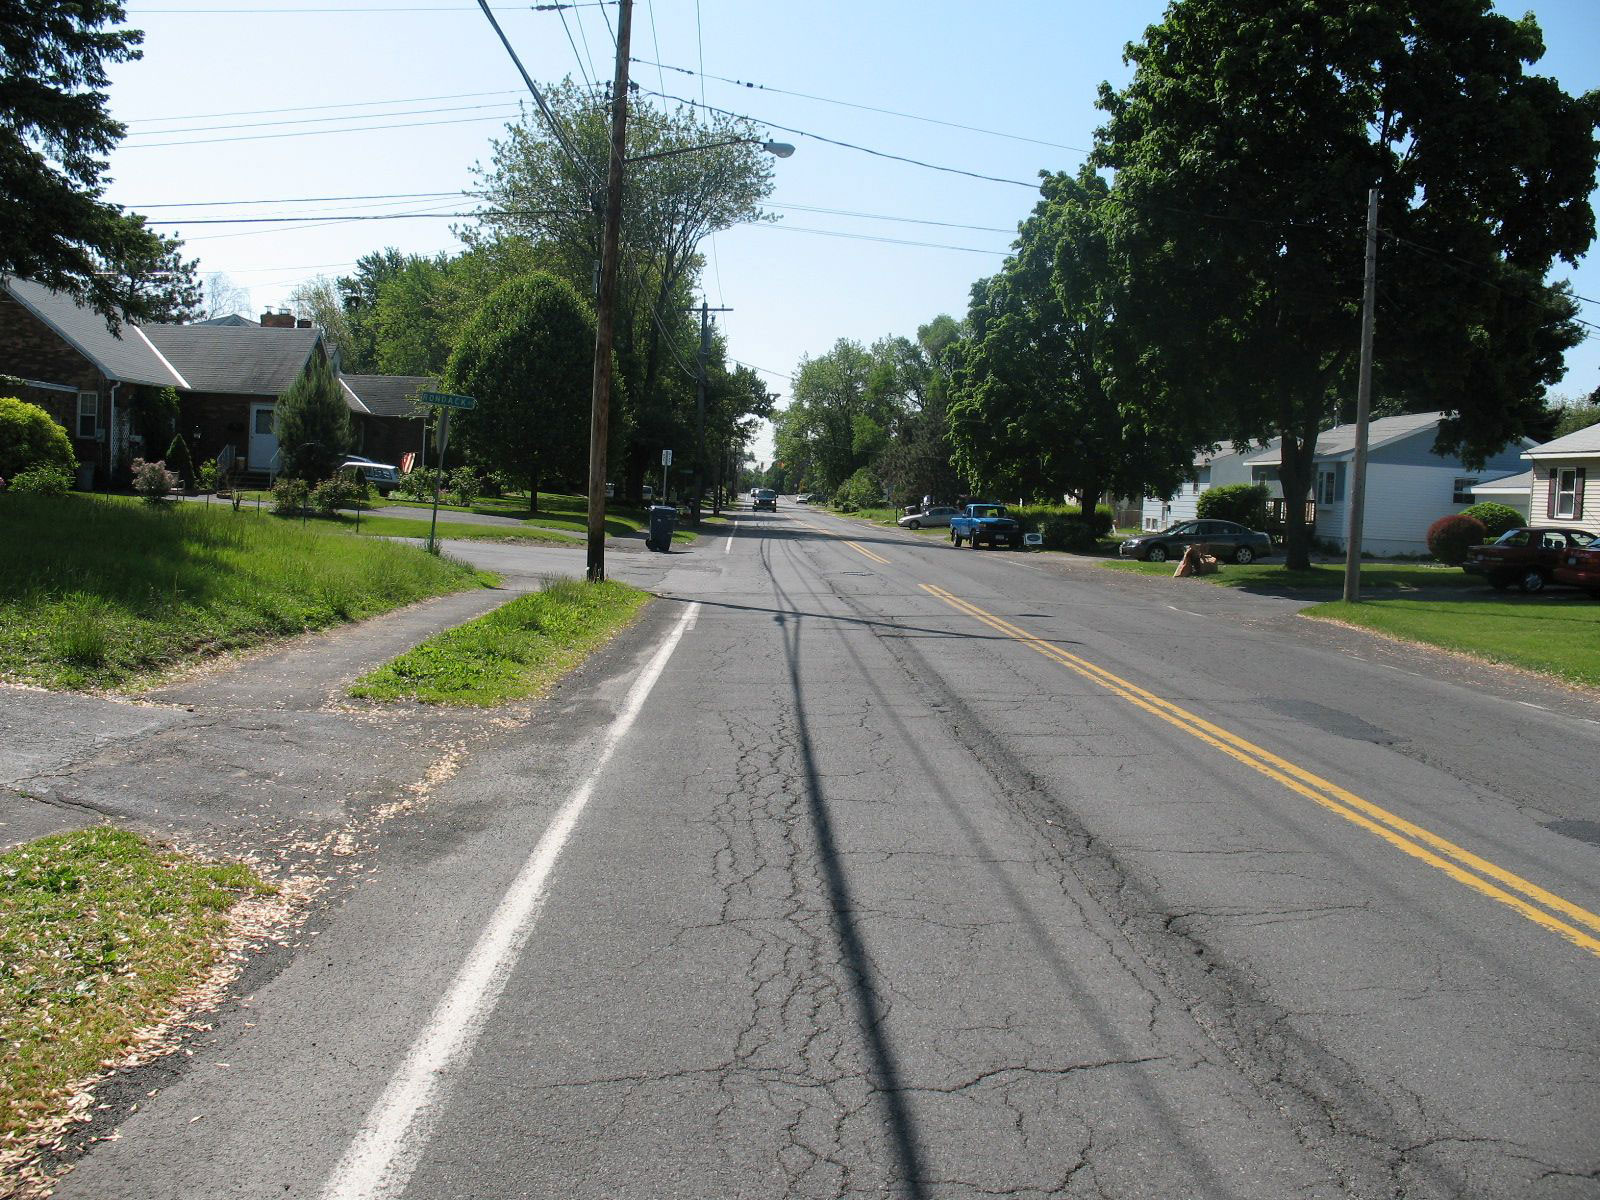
[1358, 481]
[700, 408]
[605, 315]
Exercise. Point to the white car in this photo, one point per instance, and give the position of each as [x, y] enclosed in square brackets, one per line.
[930, 518]
[383, 477]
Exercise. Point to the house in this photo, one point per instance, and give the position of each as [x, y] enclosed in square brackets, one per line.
[1564, 484]
[1510, 490]
[1218, 467]
[228, 375]
[1409, 486]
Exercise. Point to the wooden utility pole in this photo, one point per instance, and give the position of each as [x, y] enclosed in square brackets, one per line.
[1358, 473]
[605, 305]
[700, 409]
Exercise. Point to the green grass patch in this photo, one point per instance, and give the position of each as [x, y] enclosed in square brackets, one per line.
[878, 516]
[409, 527]
[515, 652]
[557, 510]
[1553, 634]
[99, 934]
[106, 594]
[1320, 577]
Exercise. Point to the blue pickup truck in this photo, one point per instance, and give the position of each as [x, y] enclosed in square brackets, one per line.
[985, 525]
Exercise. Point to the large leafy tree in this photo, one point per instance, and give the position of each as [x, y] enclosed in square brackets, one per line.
[55, 134]
[1046, 396]
[688, 176]
[1244, 146]
[837, 418]
[917, 459]
[527, 358]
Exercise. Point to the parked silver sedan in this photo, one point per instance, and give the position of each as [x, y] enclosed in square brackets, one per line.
[930, 518]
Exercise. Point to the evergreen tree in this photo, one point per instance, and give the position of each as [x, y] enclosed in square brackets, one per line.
[313, 424]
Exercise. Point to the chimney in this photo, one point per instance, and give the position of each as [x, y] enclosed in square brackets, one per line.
[277, 320]
[303, 323]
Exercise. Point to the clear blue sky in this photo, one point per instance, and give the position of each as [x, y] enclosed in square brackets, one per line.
[1028, 69]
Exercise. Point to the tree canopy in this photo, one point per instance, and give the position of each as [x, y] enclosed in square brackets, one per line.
[55, 134]
[527, 358]
[1244, 146]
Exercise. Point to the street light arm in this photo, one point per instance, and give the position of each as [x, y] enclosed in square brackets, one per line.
[776, 149]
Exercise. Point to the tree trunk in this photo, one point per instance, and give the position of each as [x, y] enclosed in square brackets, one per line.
[1299, 451]
[533, 490]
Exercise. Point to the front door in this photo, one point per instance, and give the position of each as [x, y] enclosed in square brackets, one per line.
[263, 441]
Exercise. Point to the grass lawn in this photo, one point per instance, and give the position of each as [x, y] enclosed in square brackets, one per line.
[98, 593]
[99, 934]
[1556, 634]
[411, 527]
[515, 652]
[1376, 577]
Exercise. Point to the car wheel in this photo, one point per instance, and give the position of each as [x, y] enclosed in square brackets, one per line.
[913, 524]
[1156, 554]
[1531, 581]
[1244, 556]
[955, 539]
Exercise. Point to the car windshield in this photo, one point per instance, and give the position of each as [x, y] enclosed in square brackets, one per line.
[988, 510]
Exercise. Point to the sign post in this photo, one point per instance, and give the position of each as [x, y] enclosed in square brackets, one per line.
[666, 463]
[445, 401]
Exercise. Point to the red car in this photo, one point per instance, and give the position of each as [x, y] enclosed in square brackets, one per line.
[1580, 567]
[1526, 557]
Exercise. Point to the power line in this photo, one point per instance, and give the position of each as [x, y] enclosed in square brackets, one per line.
[866, 216]
[888, 112]
[777, 374]
[415, 112]
[868, 237]
[262, 112]
[587, 81]
[264, 137]
[296, 200]
[916, 162]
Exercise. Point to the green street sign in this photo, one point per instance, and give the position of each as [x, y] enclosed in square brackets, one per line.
[447, 400]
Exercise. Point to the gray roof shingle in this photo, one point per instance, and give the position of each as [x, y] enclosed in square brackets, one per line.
[388, 395]
[1341, 439]
[247, 359]
[130, 357]
[1580, 442]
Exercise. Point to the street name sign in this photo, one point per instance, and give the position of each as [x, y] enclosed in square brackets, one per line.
[448, 400]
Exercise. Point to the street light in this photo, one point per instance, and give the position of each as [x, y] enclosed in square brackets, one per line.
[776, 149]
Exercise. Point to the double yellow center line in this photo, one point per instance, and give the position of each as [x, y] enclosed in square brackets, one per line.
[1578, 925]
[856, 546]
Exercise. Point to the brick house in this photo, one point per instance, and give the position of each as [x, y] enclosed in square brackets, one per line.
[228, 376]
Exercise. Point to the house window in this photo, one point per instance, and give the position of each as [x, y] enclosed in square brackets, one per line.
[88, 415]
[1567, 493]
[1462, 493]
[1326, 483]
[263, 419]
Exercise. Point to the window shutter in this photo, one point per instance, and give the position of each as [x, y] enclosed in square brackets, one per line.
[1577, 500]
[1550, 503]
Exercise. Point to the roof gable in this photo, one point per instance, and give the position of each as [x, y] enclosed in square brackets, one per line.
[387, 395]
[1581, 442]
[127, 357]
[243, 359]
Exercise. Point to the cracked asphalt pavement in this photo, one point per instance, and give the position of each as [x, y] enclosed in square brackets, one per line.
[880, 899]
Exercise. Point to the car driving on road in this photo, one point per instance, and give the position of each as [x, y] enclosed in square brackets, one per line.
[1228, 539]
[764, 498]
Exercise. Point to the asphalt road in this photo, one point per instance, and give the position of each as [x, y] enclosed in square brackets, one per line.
[874, 867]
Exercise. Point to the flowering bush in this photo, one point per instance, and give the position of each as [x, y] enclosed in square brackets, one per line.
[1450, 537]
[288, 496]
[152, 480]
[331, 494]
[44, 479]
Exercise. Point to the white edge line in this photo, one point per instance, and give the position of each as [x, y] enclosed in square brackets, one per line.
[728, 546]
[381, 1158]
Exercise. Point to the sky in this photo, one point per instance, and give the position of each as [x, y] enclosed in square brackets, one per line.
[325, 110]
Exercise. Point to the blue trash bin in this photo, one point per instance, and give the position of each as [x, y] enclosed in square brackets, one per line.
[663, 520]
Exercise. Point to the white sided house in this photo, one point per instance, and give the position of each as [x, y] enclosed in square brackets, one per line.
[1409, 487]
[1565, 483]
[1212, 468]
[1512, 490]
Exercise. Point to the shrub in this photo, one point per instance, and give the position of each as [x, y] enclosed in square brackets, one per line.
[30, 437]
[328, 495]
[1075, 531]
[418, 485]
[288, 496]
[181, 462]
[1450, 537]
[152, 480]
[42, 480]
[1496, 518]
[1245, 503]
[464, 483]
[861, 490]
[207, 476]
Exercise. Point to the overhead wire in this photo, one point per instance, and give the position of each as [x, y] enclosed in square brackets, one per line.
[888, 112]
[415, 112]
[262, 112]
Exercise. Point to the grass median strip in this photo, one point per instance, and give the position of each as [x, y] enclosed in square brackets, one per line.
[1554, 635]
[515, 652]
[107, 594]
[1319, 577]
[100, 934]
